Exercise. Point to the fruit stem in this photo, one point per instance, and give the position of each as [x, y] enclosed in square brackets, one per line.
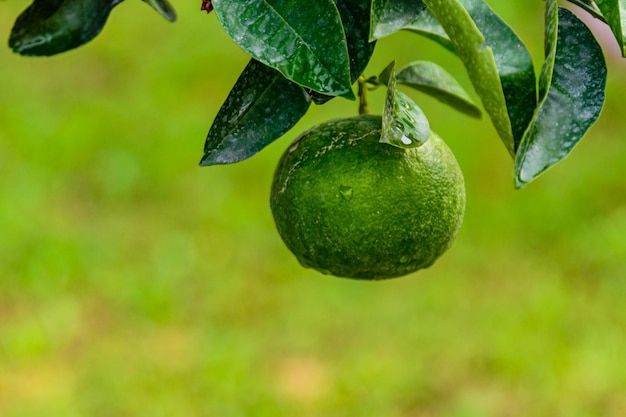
[363, 103]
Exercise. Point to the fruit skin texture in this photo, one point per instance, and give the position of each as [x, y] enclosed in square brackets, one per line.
[347, 205]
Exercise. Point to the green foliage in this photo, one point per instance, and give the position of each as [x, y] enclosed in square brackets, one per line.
[497, 62]
[306, 44]
[430, 78]
[355, 15]
[428, 26]
[259, 94]
[571, 92]
[49, 27]
[325, 47]
[404, 124]
[389, 16]
[164, 8]
[614, 12]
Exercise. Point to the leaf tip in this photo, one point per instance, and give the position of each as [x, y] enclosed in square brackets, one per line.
[349, 95]
[206, 160]
[164, 8]
[519, 183]
[474, 112]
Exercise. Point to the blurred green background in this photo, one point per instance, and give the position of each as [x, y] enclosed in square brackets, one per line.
[134, 283]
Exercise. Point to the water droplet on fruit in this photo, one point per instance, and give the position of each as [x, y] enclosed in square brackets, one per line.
[346, 192]
[405, 140]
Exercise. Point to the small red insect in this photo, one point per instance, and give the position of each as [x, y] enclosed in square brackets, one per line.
[207, 5]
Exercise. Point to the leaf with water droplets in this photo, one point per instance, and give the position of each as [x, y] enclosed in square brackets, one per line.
[356, 24]
[262, 106]
[404, 124]
[572, 91]
[164, 8]
[390, 16]
[497, 62]
[49, 27]
[614, 11]
[433, 80]
[306, 44]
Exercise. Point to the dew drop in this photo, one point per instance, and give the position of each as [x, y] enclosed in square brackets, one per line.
[406, 140]
[346, 192]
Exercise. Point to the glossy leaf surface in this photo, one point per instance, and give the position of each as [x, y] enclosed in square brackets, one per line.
[262, 106]
[614, 11]
[427, 25]
[572, 92]
[355, 17]
[497, 62]
[306, 44]
[164, 8]
[514, 64]
[433, 80]
[49, 27]
[390, 16]
[404, 124]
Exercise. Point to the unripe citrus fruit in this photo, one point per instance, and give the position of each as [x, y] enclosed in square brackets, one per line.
[347, 205]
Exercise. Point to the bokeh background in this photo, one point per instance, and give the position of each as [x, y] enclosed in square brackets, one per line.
[134, 283]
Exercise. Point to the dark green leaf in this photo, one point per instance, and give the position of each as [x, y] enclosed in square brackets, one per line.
[514, 64]
[388, 75]
[404, 124]
[433, 80]
[355, 18]
[389, 16]
[306, 44]
[614, 12]
[356, 24]
[551, 29]
[479, 61]
[49, 27]
[572, 91]
[498, 64]
[164, 8]
[426, 25]
[262, 106]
